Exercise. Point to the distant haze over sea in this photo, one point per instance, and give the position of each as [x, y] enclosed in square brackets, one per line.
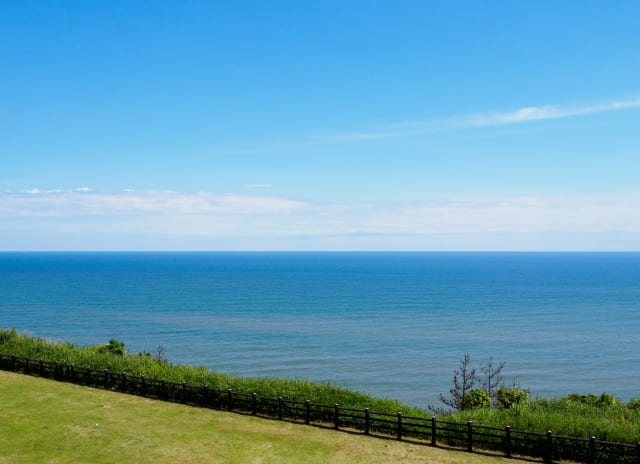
[388, 324]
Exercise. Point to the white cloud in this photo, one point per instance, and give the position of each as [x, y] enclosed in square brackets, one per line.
[83, 202]
[254, 222]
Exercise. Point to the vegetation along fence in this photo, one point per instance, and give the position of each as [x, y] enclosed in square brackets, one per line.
[430, 431]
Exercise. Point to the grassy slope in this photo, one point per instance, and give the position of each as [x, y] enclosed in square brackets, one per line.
[617, 423]
[24, 345]
[46, 421]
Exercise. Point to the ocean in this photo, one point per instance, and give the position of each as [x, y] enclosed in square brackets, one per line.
[388, 324]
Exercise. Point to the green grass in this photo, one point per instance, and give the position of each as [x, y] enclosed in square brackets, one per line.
[43, 421]
[297, 389]
[618, 422]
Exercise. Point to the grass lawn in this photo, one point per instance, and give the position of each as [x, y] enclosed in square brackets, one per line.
[43, 421]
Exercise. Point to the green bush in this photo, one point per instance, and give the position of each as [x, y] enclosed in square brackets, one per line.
[476, 398]
[509, 397]
[607, 400]
[634, 404]
[114, 347]
[590, 399]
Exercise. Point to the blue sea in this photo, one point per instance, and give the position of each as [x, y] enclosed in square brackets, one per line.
[389, 324]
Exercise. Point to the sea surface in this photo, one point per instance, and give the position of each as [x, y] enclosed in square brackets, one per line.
[389, 324]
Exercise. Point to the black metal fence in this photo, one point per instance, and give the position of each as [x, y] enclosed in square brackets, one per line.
[429, 431]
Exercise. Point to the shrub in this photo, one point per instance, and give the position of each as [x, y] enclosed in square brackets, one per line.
[635, 404]
[114, 347]
[509, 397]
[477, 398]
[589, 399]
[607, 400]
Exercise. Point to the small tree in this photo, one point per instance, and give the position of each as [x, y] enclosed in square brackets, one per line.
[464, 379]
[491, 379]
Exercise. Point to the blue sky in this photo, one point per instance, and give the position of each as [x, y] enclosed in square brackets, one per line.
[320, 125]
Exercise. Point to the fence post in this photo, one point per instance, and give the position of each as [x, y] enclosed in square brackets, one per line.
[229, 400]
[434, 425]
[184, 392]
[279, 408]
[143, 386]
[507, 441]
[548, 455]
[123, 384]
[56, 372]
[105, 378]
[73, 372]
[13, 362]
[470, 436]
[205, 395]
[26, 367]
[399, 426]
[638, 451]
[254, 404]
[336, 416]
[592, 450]
[307, 417]
[41, 368]
[367, 421]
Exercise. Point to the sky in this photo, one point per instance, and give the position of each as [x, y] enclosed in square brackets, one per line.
[320, 125]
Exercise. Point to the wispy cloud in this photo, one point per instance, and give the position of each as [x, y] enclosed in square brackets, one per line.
[484, 119]
[536, 113]
[257, 186]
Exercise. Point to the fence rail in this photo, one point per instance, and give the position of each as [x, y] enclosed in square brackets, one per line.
[429, 431]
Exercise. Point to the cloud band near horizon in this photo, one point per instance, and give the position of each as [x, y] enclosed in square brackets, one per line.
[203, 213]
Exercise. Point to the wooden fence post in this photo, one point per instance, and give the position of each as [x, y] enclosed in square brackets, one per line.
[548, 455]
[254, 403]
[434, 425]
[123, 384]
[507, 441]
[336, 416]
[638, 451]
[367, 421]
[307, 416]
[105, 378]
[279, 408]
[206, 396]
[470, 437]
[229, 400]
[184, 392]
[41, 368]
[592, 450]
[399, 435]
